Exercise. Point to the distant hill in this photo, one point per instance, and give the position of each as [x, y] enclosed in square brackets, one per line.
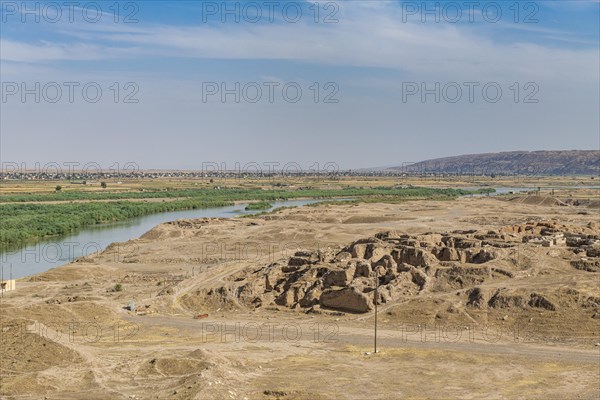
[561, 162]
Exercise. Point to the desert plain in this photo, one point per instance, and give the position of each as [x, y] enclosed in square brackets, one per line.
[478, 297]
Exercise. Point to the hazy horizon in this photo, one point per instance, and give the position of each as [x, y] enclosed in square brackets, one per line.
[265, 166]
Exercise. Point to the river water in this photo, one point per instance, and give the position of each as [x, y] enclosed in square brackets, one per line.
[55, 252]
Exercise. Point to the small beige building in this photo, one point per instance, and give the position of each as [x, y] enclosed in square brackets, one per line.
[8, 285]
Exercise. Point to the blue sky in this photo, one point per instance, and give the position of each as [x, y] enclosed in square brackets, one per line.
[171, 50]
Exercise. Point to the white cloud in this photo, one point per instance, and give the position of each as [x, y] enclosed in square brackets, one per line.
[45, 51]
[368, 35]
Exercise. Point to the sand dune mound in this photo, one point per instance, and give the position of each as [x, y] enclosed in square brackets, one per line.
[546, 201]
[74, 272]
[182, 228]
[183, 374]
[26, 349]
[169, 366]
[589, 203]
[551, 201]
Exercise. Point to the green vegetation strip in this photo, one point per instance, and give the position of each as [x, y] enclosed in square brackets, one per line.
[261, 205]
[229, 194]
[26, 223]
[23, 223]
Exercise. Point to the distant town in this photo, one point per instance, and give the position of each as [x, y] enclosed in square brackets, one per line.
[95, 177]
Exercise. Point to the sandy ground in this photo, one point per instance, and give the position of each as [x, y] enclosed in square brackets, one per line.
[67, 335]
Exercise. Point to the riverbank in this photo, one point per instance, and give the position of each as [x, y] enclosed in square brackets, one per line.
[26, 222]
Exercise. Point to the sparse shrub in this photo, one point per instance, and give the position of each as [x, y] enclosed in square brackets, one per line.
[261, 205]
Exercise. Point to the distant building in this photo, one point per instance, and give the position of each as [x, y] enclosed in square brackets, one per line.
[7, 286]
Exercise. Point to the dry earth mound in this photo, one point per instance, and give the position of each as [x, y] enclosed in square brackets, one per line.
[402, 265]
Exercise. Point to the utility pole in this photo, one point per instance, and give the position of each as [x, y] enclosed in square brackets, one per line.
[376, 301]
